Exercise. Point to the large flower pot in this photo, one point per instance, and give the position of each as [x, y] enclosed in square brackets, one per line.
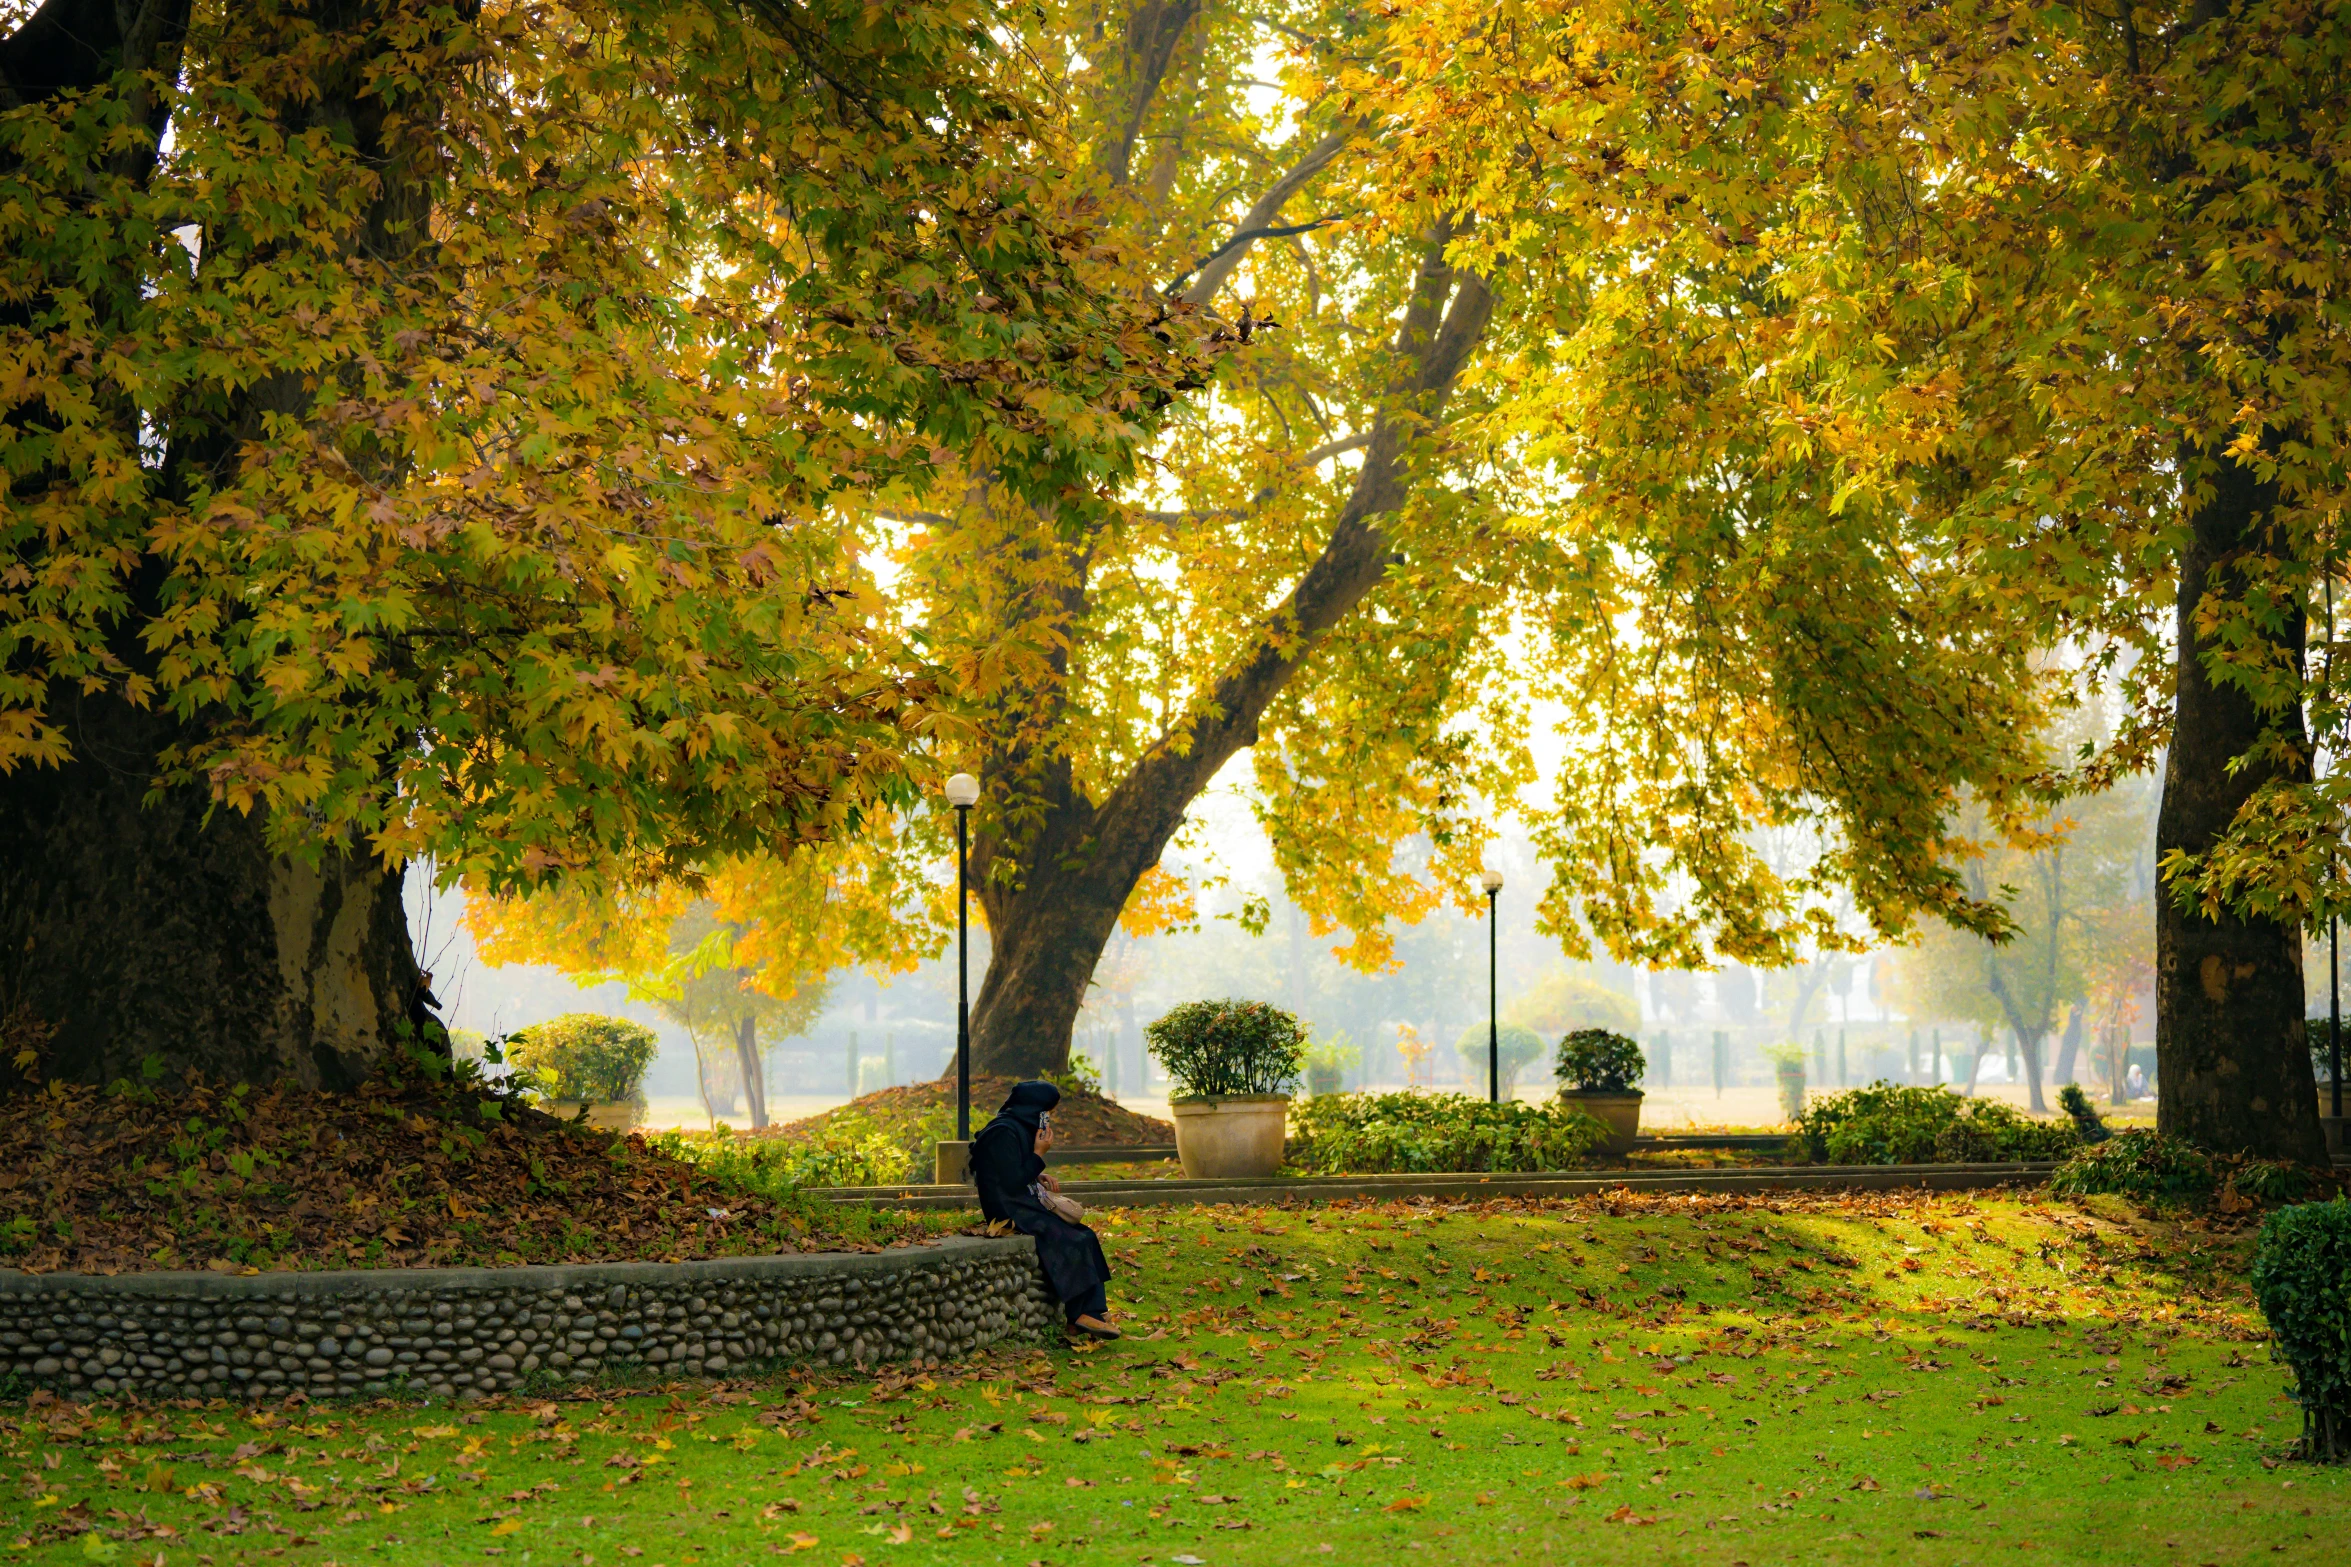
[1620, 1112]
[618, 1116]
[1240, 1135]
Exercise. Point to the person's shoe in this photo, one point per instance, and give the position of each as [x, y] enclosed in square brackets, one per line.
[1093, 1327]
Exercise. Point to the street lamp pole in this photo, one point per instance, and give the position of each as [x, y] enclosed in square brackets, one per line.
[2334, 954]
[963, 792]
[1492, 881]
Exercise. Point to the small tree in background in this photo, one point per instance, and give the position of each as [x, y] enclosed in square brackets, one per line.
[1520, 1047]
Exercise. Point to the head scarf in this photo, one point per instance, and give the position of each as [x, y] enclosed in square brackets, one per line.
[1027, 1103]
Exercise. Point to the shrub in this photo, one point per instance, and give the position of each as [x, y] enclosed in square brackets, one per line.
[2302, 1280]
[849, 1150]
[2138, 1163]
[1598, 1061]
[585, 1056]
[1369, 1134]
[2318, 1031]
[1885, 1124]
[1081, 1076]
[1327, 1063]
[1218, 1049]
[2086, 1120]
[1520, 1047]
[2272, 1182]
[1787, 1060]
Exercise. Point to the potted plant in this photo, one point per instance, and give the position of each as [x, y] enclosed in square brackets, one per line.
[585, 1060]
[1788, 1061]
[1234, 1066]
[1597, 1069]
[1327, 1064]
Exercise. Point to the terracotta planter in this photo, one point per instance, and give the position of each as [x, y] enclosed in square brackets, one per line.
[618, 1116]
[1240, 1135]
[1620, 1112]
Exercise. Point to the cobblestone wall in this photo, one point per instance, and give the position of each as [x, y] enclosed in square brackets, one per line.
[457, 1330]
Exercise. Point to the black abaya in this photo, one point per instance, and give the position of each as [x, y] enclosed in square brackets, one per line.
[1004, 1165]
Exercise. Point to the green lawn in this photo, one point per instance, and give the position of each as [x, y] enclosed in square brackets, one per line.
[1808, 1380]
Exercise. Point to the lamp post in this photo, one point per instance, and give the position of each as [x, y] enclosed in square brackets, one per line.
[2334, 951]
[1492, 882]
[963, 792]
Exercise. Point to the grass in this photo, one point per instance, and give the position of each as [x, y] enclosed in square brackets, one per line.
[1718, 1381]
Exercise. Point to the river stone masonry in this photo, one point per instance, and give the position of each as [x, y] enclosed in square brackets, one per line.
[459, 1331]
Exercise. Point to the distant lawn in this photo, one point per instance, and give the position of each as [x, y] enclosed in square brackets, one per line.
[1796, 1380]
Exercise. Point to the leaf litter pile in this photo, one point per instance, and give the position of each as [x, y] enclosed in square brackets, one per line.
[1722, 1381]
[918, 1114]
[425, 1173]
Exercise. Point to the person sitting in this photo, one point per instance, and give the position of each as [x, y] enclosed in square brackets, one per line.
[1008, 1167]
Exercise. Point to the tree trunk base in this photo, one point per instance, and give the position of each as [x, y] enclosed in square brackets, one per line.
[141, 931]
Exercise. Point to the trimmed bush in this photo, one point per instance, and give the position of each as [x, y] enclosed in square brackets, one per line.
[1374, 1134]
[2302, 1280]
[2142, 1164]
[585, 1056]
[1598, 1061]
[1886, 1124]
[1220, 1049]
[2085, 1118]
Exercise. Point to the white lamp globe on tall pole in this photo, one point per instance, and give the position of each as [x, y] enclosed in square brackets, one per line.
[1492, 882]
[963, 792]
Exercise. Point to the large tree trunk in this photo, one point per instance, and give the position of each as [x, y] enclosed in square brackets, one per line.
[139, 930]
[2232, 1068]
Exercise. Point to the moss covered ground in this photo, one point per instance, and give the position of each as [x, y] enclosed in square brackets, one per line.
[1795, 1379]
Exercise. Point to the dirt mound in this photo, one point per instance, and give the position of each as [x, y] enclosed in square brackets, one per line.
[428, 1174]
[919, 1113]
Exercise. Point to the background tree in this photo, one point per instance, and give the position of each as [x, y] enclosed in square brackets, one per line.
[1903, 347]
[740, 959]
[442, 449]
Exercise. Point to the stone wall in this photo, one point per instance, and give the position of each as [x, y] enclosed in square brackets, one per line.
[453, 1331]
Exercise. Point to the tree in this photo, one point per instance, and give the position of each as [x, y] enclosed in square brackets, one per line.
[1925, 343]
[746, 950]
[435, 431]
[2084, 921]
[1277, 507]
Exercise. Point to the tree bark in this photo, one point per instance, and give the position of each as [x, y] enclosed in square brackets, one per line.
[754, 1077]
[1080, 861]
[140, 929]
[2232, 1067]
[2069, 1048]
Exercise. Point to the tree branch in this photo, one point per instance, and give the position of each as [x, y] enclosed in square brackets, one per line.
[1210, 275]
[1435, 341]
[1153, 31]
